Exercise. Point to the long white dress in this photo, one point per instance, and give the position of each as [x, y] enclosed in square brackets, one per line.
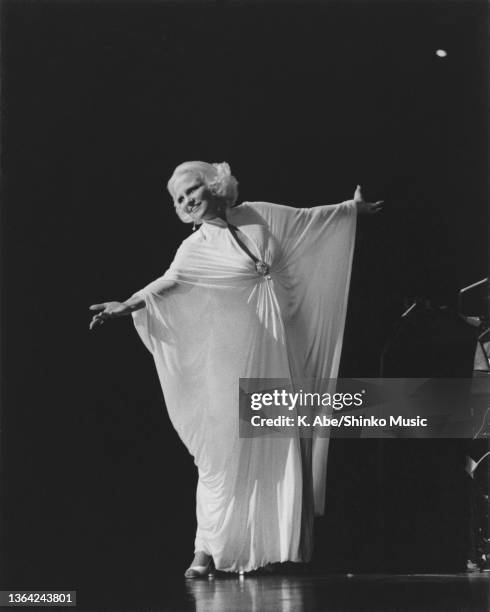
[225, 321]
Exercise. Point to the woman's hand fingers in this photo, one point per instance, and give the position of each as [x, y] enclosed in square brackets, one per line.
[358, 194]
[97, 306]
[369, 208]
[108, 310]
[95, 321]
[98, 319]
[101, 316]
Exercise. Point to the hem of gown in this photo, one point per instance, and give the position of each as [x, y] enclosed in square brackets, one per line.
[260, 565]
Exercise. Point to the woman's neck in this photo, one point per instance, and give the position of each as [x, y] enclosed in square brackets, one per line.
[220, 219]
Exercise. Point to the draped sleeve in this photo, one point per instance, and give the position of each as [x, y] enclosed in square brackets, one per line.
[316, 249]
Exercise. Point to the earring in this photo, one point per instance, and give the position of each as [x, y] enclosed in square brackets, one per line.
[194, 226]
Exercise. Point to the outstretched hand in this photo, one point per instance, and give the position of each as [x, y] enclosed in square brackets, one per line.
[108, 310]
[364, 207]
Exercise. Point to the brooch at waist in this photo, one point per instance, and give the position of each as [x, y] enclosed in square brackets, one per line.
[262, 268]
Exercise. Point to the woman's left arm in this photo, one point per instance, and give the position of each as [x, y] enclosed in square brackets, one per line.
[366, 208]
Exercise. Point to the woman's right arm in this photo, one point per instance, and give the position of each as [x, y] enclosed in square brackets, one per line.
[112, 310]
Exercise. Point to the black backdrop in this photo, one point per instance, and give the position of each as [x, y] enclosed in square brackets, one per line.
[100, 100]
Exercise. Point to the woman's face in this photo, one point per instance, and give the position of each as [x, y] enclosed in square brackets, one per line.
[193, 197]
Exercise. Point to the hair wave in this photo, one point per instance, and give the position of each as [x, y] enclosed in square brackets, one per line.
[217, 177]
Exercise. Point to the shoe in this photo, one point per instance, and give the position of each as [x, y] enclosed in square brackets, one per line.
[200, 571]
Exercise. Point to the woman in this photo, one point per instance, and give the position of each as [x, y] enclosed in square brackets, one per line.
[260, 291]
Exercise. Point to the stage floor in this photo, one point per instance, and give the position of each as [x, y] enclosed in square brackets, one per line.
[468, 592]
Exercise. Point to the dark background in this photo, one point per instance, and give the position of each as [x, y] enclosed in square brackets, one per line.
[100, 101]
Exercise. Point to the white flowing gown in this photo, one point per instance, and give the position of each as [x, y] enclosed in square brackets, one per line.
[224, 321]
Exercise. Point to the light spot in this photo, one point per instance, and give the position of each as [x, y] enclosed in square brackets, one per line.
[441, 53]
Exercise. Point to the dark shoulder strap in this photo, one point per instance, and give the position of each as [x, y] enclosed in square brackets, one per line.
[243, 246]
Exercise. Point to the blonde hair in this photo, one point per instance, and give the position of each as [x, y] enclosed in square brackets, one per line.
[217, 177]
